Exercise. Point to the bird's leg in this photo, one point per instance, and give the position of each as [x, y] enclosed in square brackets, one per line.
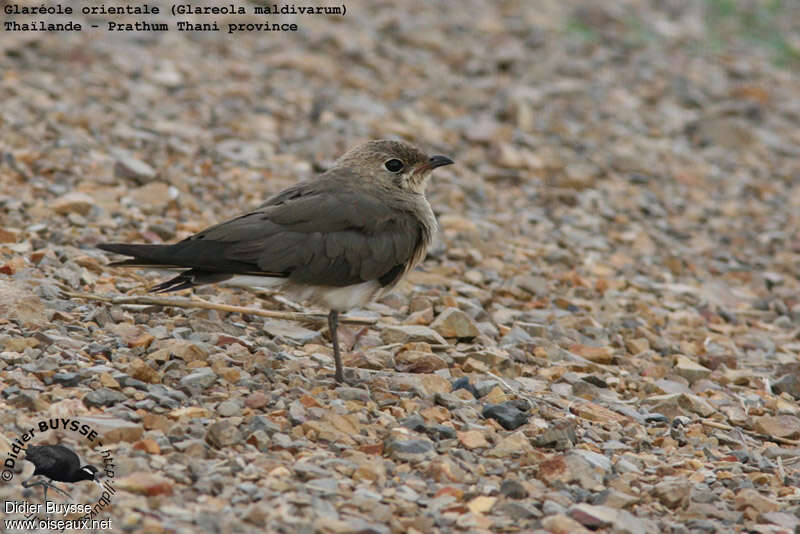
[46, 484]
[333, 323]
[64, 493]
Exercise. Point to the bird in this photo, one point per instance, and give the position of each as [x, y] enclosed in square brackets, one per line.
[58, 464]
[338, 240]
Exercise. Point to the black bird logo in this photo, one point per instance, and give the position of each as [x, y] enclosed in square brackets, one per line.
[58, 464]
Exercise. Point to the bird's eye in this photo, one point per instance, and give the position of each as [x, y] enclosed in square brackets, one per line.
[394, 165]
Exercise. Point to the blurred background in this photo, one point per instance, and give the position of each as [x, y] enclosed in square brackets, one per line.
[627, 179]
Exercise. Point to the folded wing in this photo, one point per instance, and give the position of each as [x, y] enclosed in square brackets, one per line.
[331, 237]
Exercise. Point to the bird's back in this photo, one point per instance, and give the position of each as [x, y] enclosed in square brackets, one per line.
[52, 461]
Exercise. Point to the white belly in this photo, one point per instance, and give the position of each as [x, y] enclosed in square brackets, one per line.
[334, 298]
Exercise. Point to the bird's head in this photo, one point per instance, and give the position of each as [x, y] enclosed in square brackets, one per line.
[392, 164]
[88, 472]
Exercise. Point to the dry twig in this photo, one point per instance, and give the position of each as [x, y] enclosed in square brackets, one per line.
[203, 304]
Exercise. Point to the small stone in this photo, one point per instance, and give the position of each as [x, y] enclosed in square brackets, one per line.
[148, 484]
[414, 361]
[733, 133]
[637, 345]
[412, 451]
[615, 499]
[788, 383]
[66, 379]
[188, 352]
[561, 524]
[516, 337]
[596, 459]
[414, 422]
[781, 426]
[141, 370]
[572, 467]
[595, 412]
[481, 504]
[473, 439]
[348, 525]
[559, 434]
[514, 445]
[454, 323]
[8, 235]
[256, 514]
[603, 355]
[513, 489]
[496, 395]
[260, 440]
[430, 384]
[592, 516]
[142, 340]
[127, 166]
[229, 408]
[148, 445]
[696, 404]
[13, 266]
[749, 497]
[113, 429]
[291, 331]
[673, 492]
[786, 520]
[353, 394]
[256, 400]
[440, 432]
[73, 202]
[507, 414]
[199, 379]
[690, 370]
[18, 303]
[223, 434]
[411, 333]
[103, 397]
[153, 197]
[494, 357]
[422, 317]
[464, 383]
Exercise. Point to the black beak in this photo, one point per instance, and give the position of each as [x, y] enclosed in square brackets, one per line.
[438, 161]
[433, 162]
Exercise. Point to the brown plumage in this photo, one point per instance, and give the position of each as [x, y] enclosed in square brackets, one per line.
[339, 240]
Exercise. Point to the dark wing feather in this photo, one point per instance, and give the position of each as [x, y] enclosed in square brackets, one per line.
[47, 458]
[321, 232]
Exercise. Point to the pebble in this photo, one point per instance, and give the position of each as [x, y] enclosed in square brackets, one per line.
[147, 484]
[781, 426]
[411, 334]
[199, 379]
[464, 383]
[513, 489]
[507, 414]
[129, 167]
[229, 408]
[788, 383]
[690, 370]
[73, 202]
[635, 320]
[411, 451]
[223, 434]
[454, 323]
[103, 397]
[290, 331]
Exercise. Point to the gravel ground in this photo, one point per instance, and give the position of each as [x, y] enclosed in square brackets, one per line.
[604, 338]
